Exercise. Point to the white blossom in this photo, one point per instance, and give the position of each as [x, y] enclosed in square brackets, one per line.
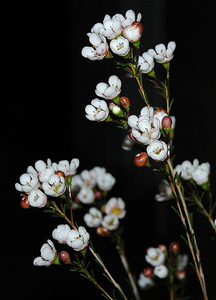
[28, 182]
[146, 62]
[112, 27]
[120, 46]
[186, 169]
[110, 90]
[86, 195]
[93, 218]
[161, 271]
[37, 198]
[145, 282]
[201, 173]
[110, 221]
[155, 256]
[157, 150]
[163, 54]
[106, 181]
[61, 232]
[68, 168]
[97, 111]
[130, 17]
[48, 254]
[182, 261]
[115, 206]
[55, 186]
[78, 239]
[99, 47]
[165, 191]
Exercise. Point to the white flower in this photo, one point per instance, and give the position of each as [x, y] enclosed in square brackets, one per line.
[99, 49]
[93, 218]
[161, 54]
[78, 239]
[28, 182]
[106, 181]
[155, 256]
[161, 271]
[165, 191]
[146, 62]
[48, 254]
[89, 178]
[120, 46]
[146, 128]
[86, 195]
[55, 186]
[111, 27]
[133, 32]
[60, 233]
[186, 169]
[67, 168]
[201, 174]
[97, 111]
[157, 150]
[160, 114]
[111, 222]
[130, 17]
[37, 198]
[116, 206]
[145, 282]
[182, 261]
[110, 90]
[46, 173]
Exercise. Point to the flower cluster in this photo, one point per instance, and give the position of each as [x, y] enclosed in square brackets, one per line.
[90, 188]
[194, 171]
[164, 262]
[45, 179]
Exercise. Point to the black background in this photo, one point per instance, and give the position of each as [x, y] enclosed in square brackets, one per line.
[45, 88]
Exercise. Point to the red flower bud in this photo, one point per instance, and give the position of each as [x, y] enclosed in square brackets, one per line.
[98, 194]
[64, 257]
[60, 173]
[141, 159]
[181, 274]
[131, 135]
[24, 202]
[175, 247]
[125, 102]
[148, 272]
[163, 248]
[102, 231]
[166, 123]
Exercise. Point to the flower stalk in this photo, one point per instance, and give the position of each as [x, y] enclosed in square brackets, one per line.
[190, 234]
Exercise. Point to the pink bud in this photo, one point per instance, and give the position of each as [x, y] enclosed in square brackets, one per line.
[148, 272]
[181, 274]
[141, 159]
[64, 257]
[175, 247]
[166, 123]
[125, 102]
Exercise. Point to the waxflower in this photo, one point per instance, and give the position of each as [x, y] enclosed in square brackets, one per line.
[110, 90]
[133, 33]
[48, 255]
[55, 186]
[111, 27]
[186, 169]
[99, 49]
[115, 206]
[60, 233]
[162, 54]
[78, 239]
[120, 46]
[157, 150]
[28, 182]
[37, 198]
[67, 168]
[165, 191]
[110, 221]
[97, 111]
[155, 256]
[201, 174]
[146, 63]
[145, 282]
[130, 17]
[86, 195]
[161, 271]
[106, 181]
[93, 218]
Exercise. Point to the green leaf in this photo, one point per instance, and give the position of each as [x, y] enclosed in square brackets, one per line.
[184, 239]
[176, 211]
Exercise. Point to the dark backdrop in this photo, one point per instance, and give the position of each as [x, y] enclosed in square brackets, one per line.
[46, 86]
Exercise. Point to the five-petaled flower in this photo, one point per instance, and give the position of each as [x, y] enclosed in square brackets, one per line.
[99, 47]
[78, 239]
[111, 90]
[163, 54]
[48, 255]
[97, 110]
